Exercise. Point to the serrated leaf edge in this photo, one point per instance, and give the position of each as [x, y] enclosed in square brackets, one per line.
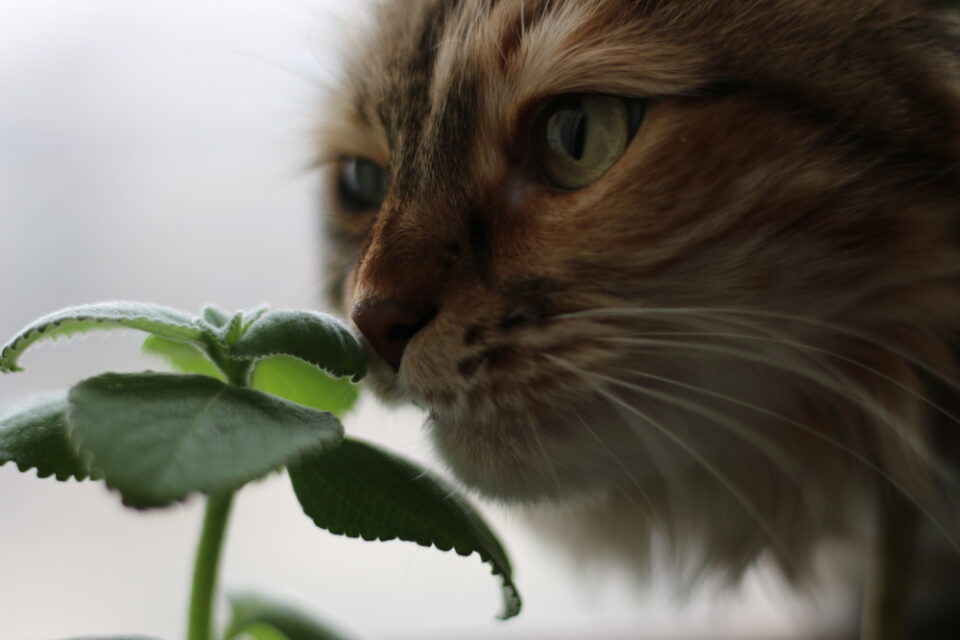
[89, 475]
[25, 468]
[506, 583]
[512, 595]
[11, 352]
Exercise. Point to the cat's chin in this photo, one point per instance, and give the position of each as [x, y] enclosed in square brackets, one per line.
[504, 453]
[488, 458]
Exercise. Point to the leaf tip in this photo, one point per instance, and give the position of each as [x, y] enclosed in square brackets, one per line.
[513, 605]
[8, 360]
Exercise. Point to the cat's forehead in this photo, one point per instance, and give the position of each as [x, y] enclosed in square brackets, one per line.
[427, 50]
[432, 64]
[436, 71]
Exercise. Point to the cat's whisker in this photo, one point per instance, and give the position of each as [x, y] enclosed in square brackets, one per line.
[765, 445]
[853, 393]
[652, 514]
[918, 445]
[710, 312]
[751, 437]
[810, 348]
[592, 380]
[897, 486]
[790, 366]
[840, 329]
[886, 418]
[549, 470]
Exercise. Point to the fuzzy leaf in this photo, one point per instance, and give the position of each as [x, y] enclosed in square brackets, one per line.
[224, 334]
[252, 315]
[359, 490]
[252, 611]
[162, 321]
[225, 329]
[215, 316]
[313, 337]
[303, 383]
[182, 356]
[158, 437]
[33, 435]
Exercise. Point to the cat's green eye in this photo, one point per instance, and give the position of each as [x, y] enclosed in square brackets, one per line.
[361, 183]
[578, 138]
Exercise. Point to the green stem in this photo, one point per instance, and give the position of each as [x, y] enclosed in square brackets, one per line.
[236, 371]
[205, 566]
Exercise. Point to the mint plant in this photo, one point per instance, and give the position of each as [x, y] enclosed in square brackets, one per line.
[258, 391]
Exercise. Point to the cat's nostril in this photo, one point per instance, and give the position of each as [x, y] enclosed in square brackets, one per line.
[389, 325]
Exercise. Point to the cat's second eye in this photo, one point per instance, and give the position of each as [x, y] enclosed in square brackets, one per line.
[362, 184]
[578, 138]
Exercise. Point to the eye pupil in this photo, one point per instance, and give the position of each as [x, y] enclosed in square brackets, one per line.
[573, 131]
[578, 138]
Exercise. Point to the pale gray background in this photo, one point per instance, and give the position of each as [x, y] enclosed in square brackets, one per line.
[153, 150]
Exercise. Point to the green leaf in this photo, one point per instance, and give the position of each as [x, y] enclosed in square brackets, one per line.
[215, 316]
[249, 612]
[303, 383]
[222, 329]
[359, 490]
[252, 315]
[158, 437]
[218, 319]
[182, 356]
[226, 329]
[231, 332]
[33, 435]
[317, 338]
[162, 321]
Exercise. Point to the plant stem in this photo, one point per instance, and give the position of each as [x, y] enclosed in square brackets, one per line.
[205, 566]
[236, 371]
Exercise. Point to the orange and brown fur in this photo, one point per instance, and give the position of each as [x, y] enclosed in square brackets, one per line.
[727, 340]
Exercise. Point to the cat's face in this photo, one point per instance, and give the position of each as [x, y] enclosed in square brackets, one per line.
[608, 244]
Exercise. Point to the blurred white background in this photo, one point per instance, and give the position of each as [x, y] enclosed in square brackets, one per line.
[154, 151]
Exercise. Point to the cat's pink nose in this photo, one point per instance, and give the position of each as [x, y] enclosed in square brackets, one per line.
[389, 325]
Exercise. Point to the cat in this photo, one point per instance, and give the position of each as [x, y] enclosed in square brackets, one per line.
[687, 269]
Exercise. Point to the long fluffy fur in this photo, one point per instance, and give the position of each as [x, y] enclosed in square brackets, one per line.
[726, 342]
